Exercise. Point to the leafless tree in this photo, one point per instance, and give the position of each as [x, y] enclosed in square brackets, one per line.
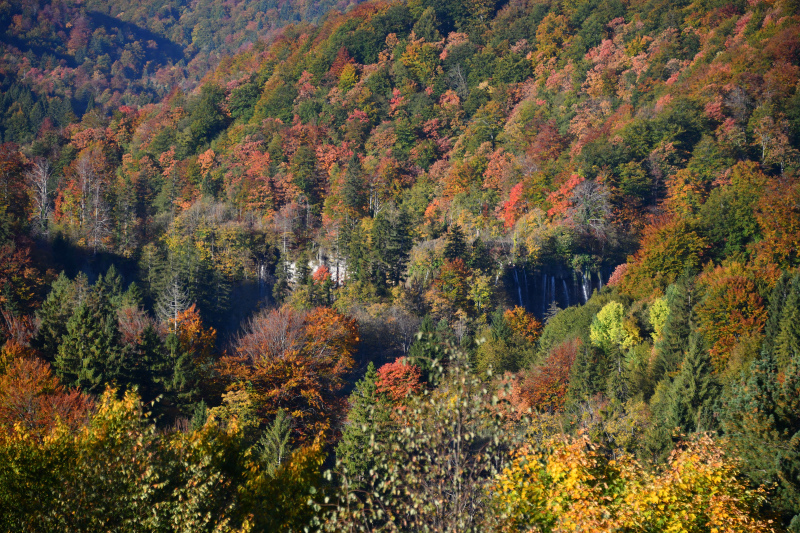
[405, 326]
[272, 334]
[286, 221]
[38, 178]
[99, 227]
[94, 215]
[590, 209]
[172, 301]
[86, 176]
[458, 81]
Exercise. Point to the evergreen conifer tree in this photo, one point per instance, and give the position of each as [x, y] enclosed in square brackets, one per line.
[787, 343]
[56, 310]
[111, 286]
[761, 417]
[368, 419]
[353, 189]
[694, 391]
[145, 365]
[273, 445]
[672, 347]
[776, 302]
[586, 377]
[181, 375]
[90, 355]
[479, 257]
[454, 246]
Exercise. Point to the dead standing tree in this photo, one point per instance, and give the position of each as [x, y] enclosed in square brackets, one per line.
[172, 301]
[38, 179]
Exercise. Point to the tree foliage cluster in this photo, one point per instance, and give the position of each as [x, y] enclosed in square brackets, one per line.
[368, 197]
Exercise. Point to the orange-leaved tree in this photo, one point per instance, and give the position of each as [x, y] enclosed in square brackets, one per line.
[669, 248]
[194, 338]
[523, 323]
[295, 361]
[32, 399]
[778, 216]
[398, 380]
[544, 387]
[730, 310]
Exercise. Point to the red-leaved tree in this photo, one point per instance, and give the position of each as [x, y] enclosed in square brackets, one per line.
[399, 380]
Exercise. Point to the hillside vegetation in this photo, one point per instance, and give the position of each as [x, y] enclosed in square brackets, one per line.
[548, 248]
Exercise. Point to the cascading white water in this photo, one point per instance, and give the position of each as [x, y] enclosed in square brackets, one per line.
[585, 289]
[525, 277]
[544, 294]
[553, 289]
[600, 280]
[566, 291]
[519, 288]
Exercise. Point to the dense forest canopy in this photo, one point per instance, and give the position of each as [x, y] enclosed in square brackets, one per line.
[406, 266]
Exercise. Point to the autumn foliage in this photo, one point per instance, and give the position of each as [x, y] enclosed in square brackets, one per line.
[523, 323]
[544, 387]
[569, 484]
[31, 397]
[295, 361]
[730, 310]
[399, 380]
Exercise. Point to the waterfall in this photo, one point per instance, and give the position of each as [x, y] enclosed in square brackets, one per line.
[553, 289]
[584, 288]
[519, 288]
[544, 294]
[566, 290]
[525, 277]
[600, 279]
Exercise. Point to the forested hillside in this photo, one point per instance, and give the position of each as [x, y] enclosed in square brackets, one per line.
[403, 266]
[62, 59]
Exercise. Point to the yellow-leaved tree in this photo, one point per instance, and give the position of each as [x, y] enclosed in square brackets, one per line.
[569, 485]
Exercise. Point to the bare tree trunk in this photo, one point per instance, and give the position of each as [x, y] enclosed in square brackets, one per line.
[172, 302]
[38, 178]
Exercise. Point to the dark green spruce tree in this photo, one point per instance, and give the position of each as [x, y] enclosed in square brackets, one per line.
[694, 391]
[64, 297]
[786, 344]
[369, 418]
[777, 300]
[354, 195]
[182, 376]
[90, 355]
[674, 343]
[586, 376]
[455, 246]
[761, 419]
[146, 366]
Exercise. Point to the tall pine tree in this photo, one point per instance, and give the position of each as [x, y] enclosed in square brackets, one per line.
[762, 421]
[455, 246]
[674, 343]
[776, 302]
[786, 344]
[90, 355]
[694, 391]
[369, 418]
[64, 297]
